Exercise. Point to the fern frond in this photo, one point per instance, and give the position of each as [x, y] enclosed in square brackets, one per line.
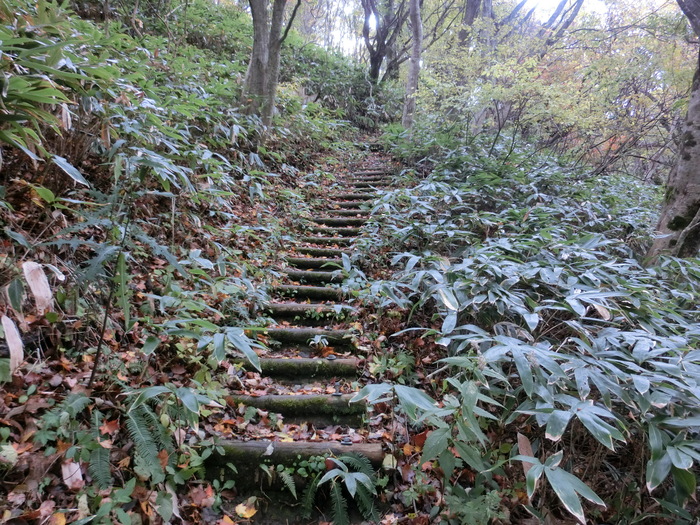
[365, 502]
[99, 467]
[144, 443]
[307, 500]
[359, 463]
[289, 482]
[339, 506]
[162, 436]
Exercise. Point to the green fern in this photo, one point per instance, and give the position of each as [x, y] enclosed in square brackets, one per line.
[99, 467]
[365, 502]
[161, 434]
[339, 505]
[144, 442]
[289, 482]
[359, 463]
[307, 500]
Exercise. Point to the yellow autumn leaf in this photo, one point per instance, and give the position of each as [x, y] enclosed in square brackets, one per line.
[247, 509]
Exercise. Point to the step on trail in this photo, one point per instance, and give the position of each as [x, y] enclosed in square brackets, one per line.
[312, 368]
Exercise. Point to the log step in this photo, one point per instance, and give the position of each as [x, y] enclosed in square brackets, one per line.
[322, 293]
[345, 232]
[277, 452]
[304, 335]
[303, 405]
[376, 172]
[291, 309]
[304, 367]
[322, 252]
[369, 185]
[348, 204]
[339, 241]
[339, 221]
[355, 196]
[310, 276]
[348, 213]
[314, 262]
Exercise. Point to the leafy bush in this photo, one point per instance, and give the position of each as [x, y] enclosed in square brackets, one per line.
[546, 316]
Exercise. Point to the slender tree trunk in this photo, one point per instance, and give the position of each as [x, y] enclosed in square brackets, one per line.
[679, 224]
[256, 75]
[409, 106]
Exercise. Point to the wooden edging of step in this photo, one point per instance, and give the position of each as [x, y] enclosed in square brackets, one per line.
[345, 232]
[340, 221]
[304, 308]
[355, 196]
[318, 239]
[355, 205]
[304, 367]
[277, 452]
[360, 214]
[311, 276]
[302, 405]
[322, 252]
[371, 172]
[309, 292]
[314, 262]
[304, 335]
[369, 185]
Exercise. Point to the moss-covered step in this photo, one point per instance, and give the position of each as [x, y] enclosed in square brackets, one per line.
[311, 276]
[315, 262]
[302, 336]
[325, 231]
[309, 309]
[377, 172]
[318, 239]
[340, 221]
[348, 205]
[322, 252]
[322, 293]
[360, 214]
[302, 405]
[304, 367]
[367, 186]
[253, 453]
[355, 196]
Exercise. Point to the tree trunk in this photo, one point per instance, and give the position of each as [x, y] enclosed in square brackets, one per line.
[256, 75]
[260, 85]
[679, 224]
[409, 106]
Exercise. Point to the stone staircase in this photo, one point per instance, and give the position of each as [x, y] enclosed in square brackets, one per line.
[313, 348]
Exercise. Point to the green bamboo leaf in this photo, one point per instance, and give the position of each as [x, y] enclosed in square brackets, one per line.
[69, 169]
[188, 399]
[448, 299]
[436, 443]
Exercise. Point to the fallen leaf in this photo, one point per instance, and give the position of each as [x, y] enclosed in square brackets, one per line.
[59, 518]
[247, 509]
[72, 475]
[39, 285]
[226, 521]
[14, 342]
[110, 426]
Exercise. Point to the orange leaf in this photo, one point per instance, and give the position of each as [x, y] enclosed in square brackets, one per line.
[247, 509]
[109, 427]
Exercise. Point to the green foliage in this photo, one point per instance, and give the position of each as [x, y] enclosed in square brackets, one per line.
[544, 311]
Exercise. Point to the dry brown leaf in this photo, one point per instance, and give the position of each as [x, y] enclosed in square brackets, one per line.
[525, 448]
[603, 312]
[39, 285]
[14, 343]
[72, 475]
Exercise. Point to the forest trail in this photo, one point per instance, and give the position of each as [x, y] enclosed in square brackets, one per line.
[313, 366]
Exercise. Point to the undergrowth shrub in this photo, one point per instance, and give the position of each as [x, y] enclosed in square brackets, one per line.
[554, 335]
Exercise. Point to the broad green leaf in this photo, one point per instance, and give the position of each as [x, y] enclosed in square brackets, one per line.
[567, 487]
[448, 298]
[69, 169]
[657, 471]
[240, 341]
[150, 344]
[188, 399]
[436, 443]
[556, 424]
[145, 394]
[680, 459]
